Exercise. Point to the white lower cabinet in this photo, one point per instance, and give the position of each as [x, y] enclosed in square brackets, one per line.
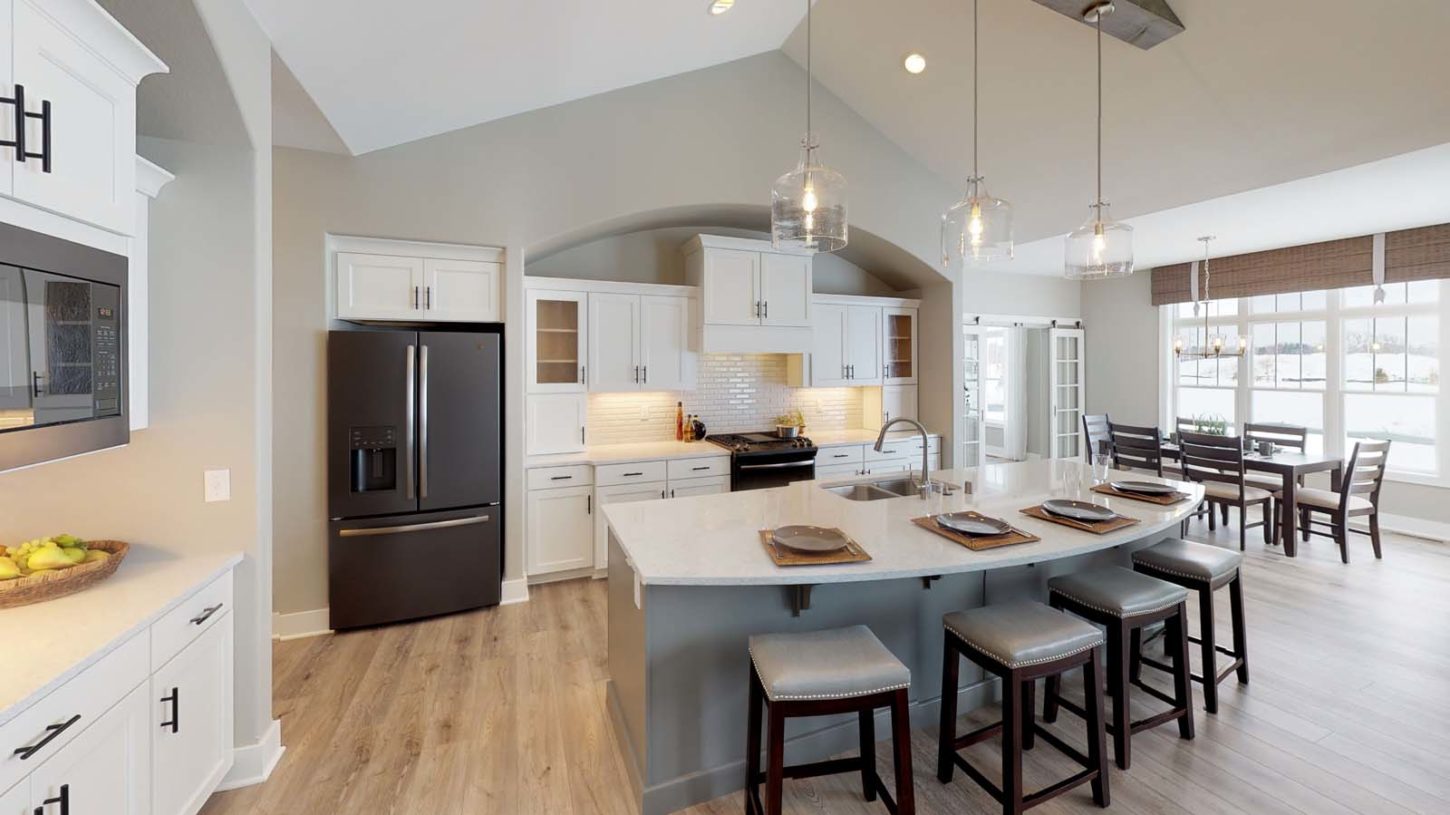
[191, 747]
[620, 494]
[16, 801]
[107, 768]
[559, 530]
[699, 486]
[837, 471]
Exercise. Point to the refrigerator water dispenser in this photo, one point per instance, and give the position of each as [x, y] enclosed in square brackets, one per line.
[374, 459]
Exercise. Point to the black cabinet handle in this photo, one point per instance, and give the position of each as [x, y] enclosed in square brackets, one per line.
[174, 699]
[63, 799]
[588, 505]
[52, 730]
[632, 475]
[429, 298]
[22, 150]
[35, 388]
[561, 478]
[206, 614]
[840, 455]
[697, 469]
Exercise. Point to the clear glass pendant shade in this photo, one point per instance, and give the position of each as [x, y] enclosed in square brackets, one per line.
[1101, 248]
[808, 206]
[976, 229]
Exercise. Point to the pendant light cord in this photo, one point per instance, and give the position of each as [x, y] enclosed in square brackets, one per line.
[976, 61]
[1100, 113]
[809, 136]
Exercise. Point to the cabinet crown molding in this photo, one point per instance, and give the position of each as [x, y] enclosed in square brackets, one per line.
[151, 178]
[703, 241]
[103, 35]
[413, 248]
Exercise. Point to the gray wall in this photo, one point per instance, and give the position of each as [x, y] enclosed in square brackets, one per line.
[1122, 348]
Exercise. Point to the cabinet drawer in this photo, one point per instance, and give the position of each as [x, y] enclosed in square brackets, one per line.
[892, 450]
[544, 478]
[833, 456]
[635, 472]
[698, 467]
[187, 621]
[81, 701]
[895, 465]
[832, 471]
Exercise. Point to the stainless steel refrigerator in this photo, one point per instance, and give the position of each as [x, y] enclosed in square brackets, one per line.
[415, 473]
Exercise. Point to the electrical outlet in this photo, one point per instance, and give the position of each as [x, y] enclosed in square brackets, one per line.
[218, 485]
[644, 413]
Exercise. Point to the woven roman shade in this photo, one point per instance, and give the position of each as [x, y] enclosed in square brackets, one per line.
[1410, 254]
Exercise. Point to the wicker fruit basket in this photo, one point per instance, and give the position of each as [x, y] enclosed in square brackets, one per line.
[54, 583]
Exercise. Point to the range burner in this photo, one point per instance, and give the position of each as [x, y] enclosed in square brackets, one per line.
[757, 443]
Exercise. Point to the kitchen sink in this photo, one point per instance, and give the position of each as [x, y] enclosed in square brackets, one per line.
[875, 490]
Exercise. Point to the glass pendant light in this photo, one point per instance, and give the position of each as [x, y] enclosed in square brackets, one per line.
[977, 228]
[1101, 248]
[808, 204]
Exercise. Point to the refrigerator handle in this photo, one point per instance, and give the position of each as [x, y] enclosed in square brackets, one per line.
[411, 420]
[423, 421]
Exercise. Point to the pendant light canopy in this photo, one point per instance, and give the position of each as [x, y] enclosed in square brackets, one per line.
[808, 204]
[977, 228]
[1101, 248]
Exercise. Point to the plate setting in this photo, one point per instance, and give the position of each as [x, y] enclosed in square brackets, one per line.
[804, 538]
[1078, 510]
[1143, 487]
[969, 523]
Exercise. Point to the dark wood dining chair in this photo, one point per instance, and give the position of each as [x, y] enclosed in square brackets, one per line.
[1290, 437]
[1217, 462]
[1358, 496]
[1096, 431]
[1136, 448]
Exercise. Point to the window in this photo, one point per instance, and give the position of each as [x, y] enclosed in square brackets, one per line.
[1335, 361]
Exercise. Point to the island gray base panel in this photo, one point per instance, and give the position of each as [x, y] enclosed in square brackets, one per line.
[679, 664]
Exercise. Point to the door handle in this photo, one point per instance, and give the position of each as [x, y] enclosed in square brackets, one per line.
[636, 374]
[644, 370]
[428, 298]
[583, 375]
[423, 423]
[22, 115]
[174, 699]
[767, 309]
[205, 614]
[35, 388]
[63, 799]
[415, 297]
[411, 417]
[367, 532]
[51, 732]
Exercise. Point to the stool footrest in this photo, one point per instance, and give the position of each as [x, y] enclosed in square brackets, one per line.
[1154, 692]
[1140, 725]
[1222, 649]
[1044, 794]
[815, 770]
[981, 734]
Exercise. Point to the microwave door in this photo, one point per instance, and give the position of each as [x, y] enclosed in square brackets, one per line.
[14, 352]
[62, 353]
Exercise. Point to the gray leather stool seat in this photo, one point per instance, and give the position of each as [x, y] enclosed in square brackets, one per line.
[838, 663]
[1195, 561]
[1118, 591]
[1023, 633]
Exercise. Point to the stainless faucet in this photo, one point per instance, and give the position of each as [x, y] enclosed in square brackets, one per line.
[927, 487]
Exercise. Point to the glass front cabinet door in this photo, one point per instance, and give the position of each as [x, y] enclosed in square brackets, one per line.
[557, 332]
[899, 367]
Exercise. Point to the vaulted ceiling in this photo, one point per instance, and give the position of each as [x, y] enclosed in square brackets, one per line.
[1250, 95]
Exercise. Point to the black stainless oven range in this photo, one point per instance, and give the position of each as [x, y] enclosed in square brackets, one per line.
[762, 460]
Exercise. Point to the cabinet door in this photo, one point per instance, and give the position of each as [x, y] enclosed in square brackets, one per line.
[7, 121]
[555, 422]
[666, 362]
[898, 401]
[14, 353]
[559, 530]
[461, 290]
[829, 361]
[730, 287]
[93, 125]
[614, 363]
[621, 494]
[700, 486]
[191, 747]
[556, 335]
[785, 289]
[379, 287]
[899, 347]
[107, 768]
[863, 344]
[17, 800]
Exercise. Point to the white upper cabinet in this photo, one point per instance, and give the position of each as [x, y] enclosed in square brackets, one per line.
[403, 281]
[556, 335]
[829, 359]
[899, 349]
[859, 341]
[785, 290]
[78, 64]
[7, 113]
[639, 342]
[614, 331]
[555, 423]
[863, 344]
[666, 362]
[461, 290]
[752, 299]
[898, 402]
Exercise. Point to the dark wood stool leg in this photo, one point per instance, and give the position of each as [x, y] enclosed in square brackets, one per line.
[868, 754]
[752, 745]
[1012, 745]
[1052, 690]
[1210, 648]
[1029, 713]
[1135, 656]
[948, 731]
[901, 752]
[1118, 687]
[1097, 737]
[1240, 626]
[1176, 640]
[775, 763]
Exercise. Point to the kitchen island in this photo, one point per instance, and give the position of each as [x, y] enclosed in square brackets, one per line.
[689, 582]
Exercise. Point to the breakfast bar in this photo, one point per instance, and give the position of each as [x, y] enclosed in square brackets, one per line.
[689, 581]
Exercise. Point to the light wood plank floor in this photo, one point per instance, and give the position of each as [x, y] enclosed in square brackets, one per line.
[503, 711]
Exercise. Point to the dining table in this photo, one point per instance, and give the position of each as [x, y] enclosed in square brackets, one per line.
[1290, 465]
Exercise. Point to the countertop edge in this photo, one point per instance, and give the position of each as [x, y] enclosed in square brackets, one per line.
[706, 450]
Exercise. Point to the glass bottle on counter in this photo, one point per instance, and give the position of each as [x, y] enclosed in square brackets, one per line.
[679, 421]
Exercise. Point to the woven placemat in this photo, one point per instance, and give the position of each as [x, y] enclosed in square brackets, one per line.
[975, 542]
[1167, 500]
[1097, 527]
[786, 556]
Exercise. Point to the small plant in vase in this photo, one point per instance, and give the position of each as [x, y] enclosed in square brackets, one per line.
[793, 418]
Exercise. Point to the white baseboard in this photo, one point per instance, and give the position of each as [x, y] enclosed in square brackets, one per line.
[1406, 525]
[300, 624]
[515, 591]
[253, 763]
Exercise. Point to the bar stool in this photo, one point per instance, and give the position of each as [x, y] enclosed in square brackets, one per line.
[821, 673]
[1022, 642]
[1124, 601]
[1202, 568]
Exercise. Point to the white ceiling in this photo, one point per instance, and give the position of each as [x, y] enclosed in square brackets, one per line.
[386, 72]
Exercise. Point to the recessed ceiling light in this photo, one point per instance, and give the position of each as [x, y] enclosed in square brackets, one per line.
[915, 63]
[718, 7]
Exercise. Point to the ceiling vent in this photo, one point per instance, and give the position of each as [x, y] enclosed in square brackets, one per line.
[1144, 23]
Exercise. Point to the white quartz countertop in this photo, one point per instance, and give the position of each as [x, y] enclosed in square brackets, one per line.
[842, 438]
[655, 450]
[713, 540]
[46, 644]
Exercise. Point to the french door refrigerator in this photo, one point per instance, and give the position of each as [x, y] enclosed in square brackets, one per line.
[415, 473]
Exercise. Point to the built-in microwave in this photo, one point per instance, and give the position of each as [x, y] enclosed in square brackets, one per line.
[62, 348]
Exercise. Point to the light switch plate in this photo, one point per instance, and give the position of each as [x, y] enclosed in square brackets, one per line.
[218, 485]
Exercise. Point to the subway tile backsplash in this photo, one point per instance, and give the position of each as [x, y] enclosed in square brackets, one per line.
[736, 392]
